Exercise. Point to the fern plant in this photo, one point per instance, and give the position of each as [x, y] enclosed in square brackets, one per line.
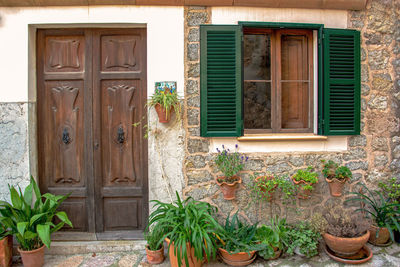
[186, 221]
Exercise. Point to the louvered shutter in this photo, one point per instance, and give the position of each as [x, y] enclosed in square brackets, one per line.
[220, 81]
[341, 90]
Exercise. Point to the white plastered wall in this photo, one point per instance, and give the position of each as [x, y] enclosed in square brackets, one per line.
[165, 62]
[330, 19]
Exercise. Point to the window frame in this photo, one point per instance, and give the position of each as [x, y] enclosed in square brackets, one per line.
[305, 26]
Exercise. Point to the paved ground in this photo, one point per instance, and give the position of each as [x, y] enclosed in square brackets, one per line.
[383, 257]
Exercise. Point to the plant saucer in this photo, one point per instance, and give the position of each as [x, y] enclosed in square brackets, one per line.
[239, 263]
[388, 243]
[364, 255]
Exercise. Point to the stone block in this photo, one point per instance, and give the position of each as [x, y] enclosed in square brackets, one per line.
[357, 165]
[382, 82]
[194, 70]
[196, 162]
[378, 59]
[194, 35]
[358, 140]
[203, 191]
[254, 165]
[193, 52]
[354, 154]
[379, 144]
[192, 87]
[279, 168]
[198, 145]
[372, 38]
[194, 131]
[193, 101]
[378, 102]
[296, 161]
[196, 177]
[364, 73]
[193, 117]
[380, 161]
[197, 18]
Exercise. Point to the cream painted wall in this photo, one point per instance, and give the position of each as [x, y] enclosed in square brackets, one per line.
[165, 44]
[331, 19]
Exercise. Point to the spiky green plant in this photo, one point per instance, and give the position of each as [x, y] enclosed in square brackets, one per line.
[32, 221]
[186, 221]
[168, 100]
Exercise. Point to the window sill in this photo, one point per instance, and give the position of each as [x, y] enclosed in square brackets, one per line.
[282, 137]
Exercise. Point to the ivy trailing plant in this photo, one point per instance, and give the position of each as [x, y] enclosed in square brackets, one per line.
[186, 221]
[302, 237]
[32, 221]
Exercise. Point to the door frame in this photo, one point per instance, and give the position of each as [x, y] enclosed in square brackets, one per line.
[33, 126]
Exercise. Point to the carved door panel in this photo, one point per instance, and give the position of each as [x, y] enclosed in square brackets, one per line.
[121, 162]
[91, 89]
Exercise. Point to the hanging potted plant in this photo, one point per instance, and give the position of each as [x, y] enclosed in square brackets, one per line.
[229, 163]
[336, 176]
[273, 237]
[6, 244]
[238, 242]
[165, 101]
[305, 181]
[155, 245]
[264, 186]
[188, 228]
[384, 214]
[32, 221]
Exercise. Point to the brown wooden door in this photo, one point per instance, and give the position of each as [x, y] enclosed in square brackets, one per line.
[91, 89]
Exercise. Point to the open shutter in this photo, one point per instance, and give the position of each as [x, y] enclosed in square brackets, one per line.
[220, 80]
[341, 82]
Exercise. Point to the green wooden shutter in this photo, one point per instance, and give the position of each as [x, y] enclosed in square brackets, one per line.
[220, 80]
[342, 83]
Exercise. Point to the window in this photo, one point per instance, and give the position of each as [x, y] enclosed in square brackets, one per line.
[258, 78]
[277, 86]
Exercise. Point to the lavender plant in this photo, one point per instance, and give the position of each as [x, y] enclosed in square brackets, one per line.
[230, 163]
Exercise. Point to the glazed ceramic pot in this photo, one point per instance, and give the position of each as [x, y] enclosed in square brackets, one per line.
[32, 258]
[229, 189]
[336, 186]
[155, 256]
[345, 245]
[382, 238]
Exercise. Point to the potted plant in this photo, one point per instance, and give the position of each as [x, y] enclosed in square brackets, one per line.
[188, 228]
[344, 231]
[165, 100]
[155, 245]
[6, 244]
[264, 186]
[391, 190]
[273, 237]
[301, 239]
[31, 221]
[239, 242]
[229, 163]
[336, 176]
[305, 180]
[384, 214]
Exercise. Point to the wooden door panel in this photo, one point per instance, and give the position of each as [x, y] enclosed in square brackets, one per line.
[122, 213]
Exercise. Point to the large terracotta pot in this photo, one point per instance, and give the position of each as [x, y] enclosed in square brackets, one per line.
[304, 194]
[163, 116]
[155, 256]
[6, 245]
[268, 195]
[173, 259]
[336, 186]
[229, 190]
[237, 259]
[345, 246]
[383, 235]
[32, 258]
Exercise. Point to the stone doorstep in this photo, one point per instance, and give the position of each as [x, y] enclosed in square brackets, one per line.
[83, 247]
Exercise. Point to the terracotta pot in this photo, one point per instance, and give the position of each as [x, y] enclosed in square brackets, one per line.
[304, 194]
[163, 117]
[345, 245]
[229, 190]
[278, 253]
[268, 195]
[6, 245]
[383, 235]
[336, 186]
[155, 256]
[32, 258]
[236, 257]
[173, 259]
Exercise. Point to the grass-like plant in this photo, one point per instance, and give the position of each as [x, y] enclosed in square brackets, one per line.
[168, 99]
[237, 236]
[383, 212]
[32, 221]
[153, 238]
[186, 221]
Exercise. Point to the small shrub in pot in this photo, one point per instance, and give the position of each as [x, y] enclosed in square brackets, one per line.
[305, 181]
[336, 176]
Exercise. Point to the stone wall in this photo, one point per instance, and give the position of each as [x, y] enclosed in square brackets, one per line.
[372, 156]
[14, 153]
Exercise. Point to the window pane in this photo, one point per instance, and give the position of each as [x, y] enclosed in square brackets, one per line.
[257, 105]
[295, 105]
[294, 57]
[257, 57]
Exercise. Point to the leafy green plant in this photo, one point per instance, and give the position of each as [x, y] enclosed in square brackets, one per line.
[168, 99]
[154, 238]
[229, 163]
[237, 236]
[187, 221]
[381, 210]
[32, 221]
[263, 186]
[308, 176]
[391, 190]
[272, 236]
[332, 170]
[302, 236]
